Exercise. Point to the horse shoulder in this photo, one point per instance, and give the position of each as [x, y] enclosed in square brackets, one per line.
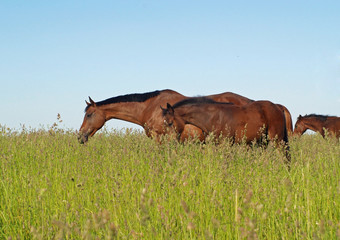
[152, 114]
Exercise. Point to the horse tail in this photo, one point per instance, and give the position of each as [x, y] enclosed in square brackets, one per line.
[288, 117]
[286, 140]
[285, 130]
[289, 123]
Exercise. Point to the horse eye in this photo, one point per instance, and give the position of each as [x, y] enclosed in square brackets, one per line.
[89, 115]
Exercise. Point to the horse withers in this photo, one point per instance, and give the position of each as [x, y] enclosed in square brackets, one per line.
[318, 123]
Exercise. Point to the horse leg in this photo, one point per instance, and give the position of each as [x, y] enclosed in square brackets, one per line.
[191, 132]
[280, 139]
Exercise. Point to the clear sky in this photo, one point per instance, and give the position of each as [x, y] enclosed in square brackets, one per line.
[54, 54]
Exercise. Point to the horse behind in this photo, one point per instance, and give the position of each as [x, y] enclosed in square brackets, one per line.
[318, 123]
[247, 122]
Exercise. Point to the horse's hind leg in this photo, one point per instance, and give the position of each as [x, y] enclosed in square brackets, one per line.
[286, 145]
[286, 149]
[280, 140]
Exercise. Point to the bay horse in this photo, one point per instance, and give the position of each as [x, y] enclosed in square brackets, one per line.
[144, 109]
[318, 123]
[139, 108]
[248, 122]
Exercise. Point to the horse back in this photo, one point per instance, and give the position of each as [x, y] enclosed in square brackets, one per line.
[229, 97]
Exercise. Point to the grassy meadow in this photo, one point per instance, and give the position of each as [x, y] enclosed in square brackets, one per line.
[123, 185]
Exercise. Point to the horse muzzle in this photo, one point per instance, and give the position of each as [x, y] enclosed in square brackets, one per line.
[83, 138]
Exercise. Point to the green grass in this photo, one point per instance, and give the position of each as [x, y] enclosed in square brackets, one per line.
[123, 185]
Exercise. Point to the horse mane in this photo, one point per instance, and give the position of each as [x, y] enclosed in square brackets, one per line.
[318, 116]
[135, 97]
[196, 100]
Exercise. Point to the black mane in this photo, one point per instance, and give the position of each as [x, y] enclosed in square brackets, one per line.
[320, 117]
[196, 100]
[135, 97]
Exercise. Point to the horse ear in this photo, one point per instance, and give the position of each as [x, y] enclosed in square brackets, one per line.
[92, 102]
[170, 108]
[87, 103]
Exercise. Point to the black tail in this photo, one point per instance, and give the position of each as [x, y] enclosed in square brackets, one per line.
[286, 143]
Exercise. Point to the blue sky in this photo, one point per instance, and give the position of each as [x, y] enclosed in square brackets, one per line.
[54, 54]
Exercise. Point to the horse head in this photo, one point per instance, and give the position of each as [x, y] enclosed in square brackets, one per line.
[172, 121]
[94, 120]
[299, 127]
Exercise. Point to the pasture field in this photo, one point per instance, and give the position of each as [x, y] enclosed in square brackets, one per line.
[123, 185]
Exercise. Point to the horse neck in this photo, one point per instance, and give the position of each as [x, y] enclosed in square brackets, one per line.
[314, 124]
[192, 115]
[303, 128]
[127, 111]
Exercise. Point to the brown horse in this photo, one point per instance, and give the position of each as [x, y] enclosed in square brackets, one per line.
[143, 109]
[318, 123]
[228, 119]
[247, 122]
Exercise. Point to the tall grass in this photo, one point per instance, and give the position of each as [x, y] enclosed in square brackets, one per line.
[123, 185]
